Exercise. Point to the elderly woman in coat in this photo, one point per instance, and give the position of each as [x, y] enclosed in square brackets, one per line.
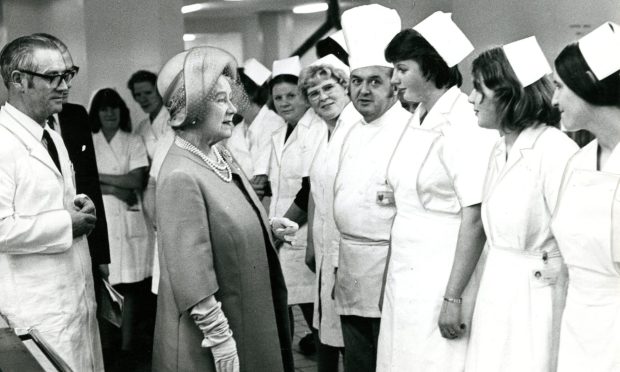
[222, 303]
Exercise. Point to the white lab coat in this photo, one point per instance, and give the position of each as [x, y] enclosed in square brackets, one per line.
[586, 224]
[131, 245]
[151, 133]
[290, 162]
[251, 144]
[325, 235]
[364, 225]
[437, 169]
[515, 319]
[45, 275]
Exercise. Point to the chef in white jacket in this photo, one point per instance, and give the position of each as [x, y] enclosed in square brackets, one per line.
[45, 267]
[586, 221]
[437, 173]
[293, 148]
[363, 204]
[519, 332]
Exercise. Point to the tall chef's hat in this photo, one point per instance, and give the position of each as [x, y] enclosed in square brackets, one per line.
[368, 29]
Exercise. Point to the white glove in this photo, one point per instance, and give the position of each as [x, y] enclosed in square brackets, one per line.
[225, 356]
[283, 228]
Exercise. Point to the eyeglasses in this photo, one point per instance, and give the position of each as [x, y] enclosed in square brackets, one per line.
[54, 79]
[316, 94]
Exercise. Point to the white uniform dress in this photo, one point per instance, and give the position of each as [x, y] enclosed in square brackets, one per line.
[515, 319]
[46, 280]
[290, 162]
[251, 144]
[131, 247]
[586, 224]
[437, 169]
[325, 235]
[363, 223]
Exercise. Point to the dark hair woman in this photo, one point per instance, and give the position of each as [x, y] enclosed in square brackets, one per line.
[122, 164]
[586, 221]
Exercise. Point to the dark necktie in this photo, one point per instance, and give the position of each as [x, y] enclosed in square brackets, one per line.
[51, 148]
[51, 121]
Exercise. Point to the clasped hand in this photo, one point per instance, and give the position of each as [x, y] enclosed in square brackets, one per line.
[83, 215]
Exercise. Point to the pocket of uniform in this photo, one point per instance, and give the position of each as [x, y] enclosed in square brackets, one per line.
[135, 224]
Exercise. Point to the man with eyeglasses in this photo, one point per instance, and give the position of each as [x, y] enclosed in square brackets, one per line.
[45, 265]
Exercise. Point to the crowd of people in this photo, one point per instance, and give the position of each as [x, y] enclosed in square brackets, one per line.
[416, 227]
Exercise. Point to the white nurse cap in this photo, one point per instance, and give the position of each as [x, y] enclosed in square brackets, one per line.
[601, 49]
[286, 66]
[527, 60]
[333, 61]
[446, 37]
[368, 29]
[338, 37]
[256, 71]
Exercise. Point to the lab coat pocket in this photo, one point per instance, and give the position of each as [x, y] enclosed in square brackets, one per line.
[135, 224]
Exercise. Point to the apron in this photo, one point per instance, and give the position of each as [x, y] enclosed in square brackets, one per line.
[363, 222]
[586, 224]
[130, 242]
[289, 164]
[515, 322]
[437, 167]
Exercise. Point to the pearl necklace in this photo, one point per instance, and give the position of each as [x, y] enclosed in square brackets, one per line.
[220, 167]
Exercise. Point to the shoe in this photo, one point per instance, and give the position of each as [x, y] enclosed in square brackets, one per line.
[307, 345]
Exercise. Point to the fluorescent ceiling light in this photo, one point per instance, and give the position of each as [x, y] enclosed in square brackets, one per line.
[310, 8]
[189, 37]
[193, 8]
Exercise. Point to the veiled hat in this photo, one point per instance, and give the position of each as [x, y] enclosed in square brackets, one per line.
[188, 78]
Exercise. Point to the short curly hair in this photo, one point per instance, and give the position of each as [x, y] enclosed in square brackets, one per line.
[312, 75]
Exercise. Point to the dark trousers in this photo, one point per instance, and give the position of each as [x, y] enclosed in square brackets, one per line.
[361, 336]
[327, 358]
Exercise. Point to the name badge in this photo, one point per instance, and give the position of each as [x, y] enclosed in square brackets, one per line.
[546, 276]
[385, 195]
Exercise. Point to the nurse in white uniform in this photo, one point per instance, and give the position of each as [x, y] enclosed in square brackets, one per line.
[293, 148]
[122, 163]
[586, 222]
[324, 84]
[516, 320]
[437, 173]
[250, 142]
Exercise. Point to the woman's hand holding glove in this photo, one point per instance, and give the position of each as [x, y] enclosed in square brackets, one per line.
[210, 318]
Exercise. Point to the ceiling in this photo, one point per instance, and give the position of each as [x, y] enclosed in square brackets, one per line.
[224, 8]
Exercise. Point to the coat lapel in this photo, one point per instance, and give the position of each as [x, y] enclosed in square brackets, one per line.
[33, 145]
[236, 169]
[277, 142]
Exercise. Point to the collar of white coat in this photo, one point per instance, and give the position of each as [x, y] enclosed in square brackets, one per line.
[392, 114]
[587, 158]
[30, 134]
[439, 113]
[525, 141]
[26, 121]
